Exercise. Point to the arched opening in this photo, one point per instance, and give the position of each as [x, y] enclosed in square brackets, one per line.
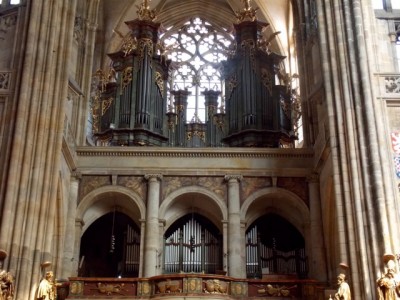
[193, 244]
[274, 246]
[110, 247]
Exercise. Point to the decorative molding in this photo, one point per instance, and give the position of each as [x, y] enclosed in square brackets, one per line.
[195, 153]
[236, 178]
[392, 84]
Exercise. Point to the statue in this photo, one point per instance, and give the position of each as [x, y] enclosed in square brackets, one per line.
[389, 283]
[6, 285]
[47, 288]
[343, 292]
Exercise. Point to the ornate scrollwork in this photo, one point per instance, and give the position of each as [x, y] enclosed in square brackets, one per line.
[160, 82]
[105, 105]
[275, 290]
[145, 13]
[267, 79]
[129, 44]
[127, 76]
[109, 289]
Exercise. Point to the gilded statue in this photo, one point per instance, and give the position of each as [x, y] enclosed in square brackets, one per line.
[47, 288]
[343, 292]
[6, 285]
[389, 282]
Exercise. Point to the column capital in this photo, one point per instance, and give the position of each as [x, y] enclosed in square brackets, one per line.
[236, 178]
[313, 178]
[76, 175]
[153, 176]
[79, 222]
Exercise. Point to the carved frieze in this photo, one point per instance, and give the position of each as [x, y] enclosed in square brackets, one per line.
[171, 184]
[392, 84]
[252, 184]
[297, 185]
[192, 285]
[216, 286]
[239, 289]
[90, 183]
[136, 184]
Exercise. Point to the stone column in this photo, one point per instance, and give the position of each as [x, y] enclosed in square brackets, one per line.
[235, 255]
[317, 262]
[151, 244]
[77, 245]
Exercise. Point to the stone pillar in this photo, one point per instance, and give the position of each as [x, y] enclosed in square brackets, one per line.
[317, 262]
[151, 243]
[235, 248]
[70, 262]
[77, 245]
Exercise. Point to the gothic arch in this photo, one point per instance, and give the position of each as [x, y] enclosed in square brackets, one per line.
[204, 201]
[280, 201]
[103, 200]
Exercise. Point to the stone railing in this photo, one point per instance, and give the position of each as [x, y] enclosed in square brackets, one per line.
[180, 286]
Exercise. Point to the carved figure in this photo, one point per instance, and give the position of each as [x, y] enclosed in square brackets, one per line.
[6, 286]
[169, 286]
[216, 286]
[109, 289]
[389, 283]
[343, 292]
[47, 288]
[275, 290]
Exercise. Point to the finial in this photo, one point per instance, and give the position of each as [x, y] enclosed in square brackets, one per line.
[145, 13]
[247, 14]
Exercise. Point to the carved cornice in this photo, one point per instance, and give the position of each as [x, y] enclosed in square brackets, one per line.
[196, 153]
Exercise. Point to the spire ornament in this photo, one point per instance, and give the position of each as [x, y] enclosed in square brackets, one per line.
[248, 13]
[145, 13]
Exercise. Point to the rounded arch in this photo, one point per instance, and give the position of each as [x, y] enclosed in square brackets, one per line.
[279, 201]
[103, 200]
[203, 200]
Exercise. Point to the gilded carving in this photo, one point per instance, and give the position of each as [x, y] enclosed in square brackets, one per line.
[129, 44]
[168, 286]
[267, 79]
[144, 288]
[160, 82]
[90, 183]
[105, 105]
[238, 289]
[110, 289]
[216, 286]
[275, 290]
[127, 76]
[192, 285]
[76, 288]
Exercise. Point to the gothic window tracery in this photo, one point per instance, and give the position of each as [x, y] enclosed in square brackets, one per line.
[196, 49]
